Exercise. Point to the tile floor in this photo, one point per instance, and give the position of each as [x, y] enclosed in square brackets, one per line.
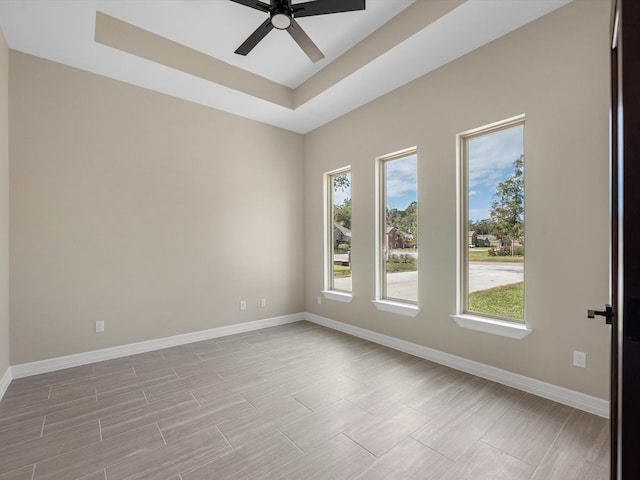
[297, 401]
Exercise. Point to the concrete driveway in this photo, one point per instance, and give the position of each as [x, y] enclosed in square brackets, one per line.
[482, 276]
[485, 275]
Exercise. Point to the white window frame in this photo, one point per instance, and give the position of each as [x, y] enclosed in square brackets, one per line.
[391, 305]
[511, 328]
[328, 290]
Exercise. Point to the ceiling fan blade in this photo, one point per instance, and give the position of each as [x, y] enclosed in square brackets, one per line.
[323, 7]
[305, 42]
[263, 7]
[255, 37]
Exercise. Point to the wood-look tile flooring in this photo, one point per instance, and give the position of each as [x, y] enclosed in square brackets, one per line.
[291, 402]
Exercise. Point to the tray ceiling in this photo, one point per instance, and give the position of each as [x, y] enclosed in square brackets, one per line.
[184, 48]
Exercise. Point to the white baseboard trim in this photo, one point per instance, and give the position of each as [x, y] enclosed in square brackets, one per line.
[85, 358]
[549, 391]
[578, 400]
[5, 381]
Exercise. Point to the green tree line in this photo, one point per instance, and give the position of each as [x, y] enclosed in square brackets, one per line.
[506, 220]
[406, 221]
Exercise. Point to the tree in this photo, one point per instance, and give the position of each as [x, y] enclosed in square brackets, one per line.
[507, 209]
[481, 227]
[406, 221]
[409, 222]
[394, 217]
[342, 182]
[342, 214]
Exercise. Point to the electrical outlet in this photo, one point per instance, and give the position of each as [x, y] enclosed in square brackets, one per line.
[99, 326]
[579, 359]
[319, 300]
[263, 302]
[243, 305]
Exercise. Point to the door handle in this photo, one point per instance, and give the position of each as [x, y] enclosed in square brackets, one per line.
[607, 313]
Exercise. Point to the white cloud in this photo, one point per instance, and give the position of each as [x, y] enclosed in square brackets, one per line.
[491, 156]
[401, 176]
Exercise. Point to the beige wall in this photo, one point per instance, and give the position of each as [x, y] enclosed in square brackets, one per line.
[4, 205]
[148, 212]
[555, 71]
[157, 215]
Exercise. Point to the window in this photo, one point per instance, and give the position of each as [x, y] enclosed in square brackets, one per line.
[397, 265]
[492, 239]
[338, 233]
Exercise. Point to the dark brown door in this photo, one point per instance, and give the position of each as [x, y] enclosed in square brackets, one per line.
[615, 224]
[625, 159]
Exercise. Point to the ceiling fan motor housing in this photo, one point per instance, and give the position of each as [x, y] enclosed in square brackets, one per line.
[280, 17]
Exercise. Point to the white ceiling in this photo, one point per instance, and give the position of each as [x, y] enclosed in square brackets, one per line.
[63, 31]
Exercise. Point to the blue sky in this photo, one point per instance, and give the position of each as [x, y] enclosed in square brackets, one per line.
[401, 178]
[490, 159]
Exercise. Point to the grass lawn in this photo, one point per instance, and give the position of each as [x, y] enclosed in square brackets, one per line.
[401, 267]
[505, 301]
[481, 254]
[341, 271]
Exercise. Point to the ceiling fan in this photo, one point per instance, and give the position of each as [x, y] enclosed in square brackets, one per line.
[282, 15]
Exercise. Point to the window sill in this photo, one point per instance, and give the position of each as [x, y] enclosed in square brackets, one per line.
[489, 325]
[337, 296]
[400, 308]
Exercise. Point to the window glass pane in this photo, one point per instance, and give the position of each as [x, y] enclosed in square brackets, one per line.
[401, 229]
[340, 255]
[495, 223]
